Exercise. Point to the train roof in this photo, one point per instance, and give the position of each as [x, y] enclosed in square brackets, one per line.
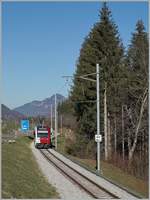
[39, 127]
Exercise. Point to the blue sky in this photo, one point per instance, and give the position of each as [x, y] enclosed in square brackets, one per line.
[41, 43]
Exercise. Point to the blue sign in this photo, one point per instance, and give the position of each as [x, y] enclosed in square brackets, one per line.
[24, 125]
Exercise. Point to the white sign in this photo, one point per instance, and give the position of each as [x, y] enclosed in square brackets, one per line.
[98, 138]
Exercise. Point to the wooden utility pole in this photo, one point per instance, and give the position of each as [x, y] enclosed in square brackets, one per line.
[115, 134]
[105, 123]
[61, 124]
[122, 132]
[109, 146]
[56, 121]
[51, 116]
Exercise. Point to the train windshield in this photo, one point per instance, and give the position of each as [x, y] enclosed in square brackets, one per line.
[42, 132]
[39, 134]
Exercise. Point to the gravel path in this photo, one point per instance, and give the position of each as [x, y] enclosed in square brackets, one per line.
[65, 188]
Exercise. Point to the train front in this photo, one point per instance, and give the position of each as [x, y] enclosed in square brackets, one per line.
[42, 137]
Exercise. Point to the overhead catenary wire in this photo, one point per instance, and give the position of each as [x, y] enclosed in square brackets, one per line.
[84, 76]
[77, 101]
[56, 113]
[62, 87]
[80, 101]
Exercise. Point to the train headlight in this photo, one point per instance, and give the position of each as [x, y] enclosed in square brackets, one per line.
[38, 140]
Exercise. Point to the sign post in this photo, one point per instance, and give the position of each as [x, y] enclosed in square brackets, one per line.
[24, 125]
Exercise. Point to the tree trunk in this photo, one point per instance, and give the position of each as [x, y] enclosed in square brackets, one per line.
[115, 134]
[109, 138]
[129, 140]
[105, 124]
[123, 132]
[143, 153]
[131, 152]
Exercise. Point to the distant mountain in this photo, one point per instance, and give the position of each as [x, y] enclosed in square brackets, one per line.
[8, 114]
[40, 108]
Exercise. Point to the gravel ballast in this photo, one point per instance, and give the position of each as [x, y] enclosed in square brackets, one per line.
[122, 194]
[65, 187]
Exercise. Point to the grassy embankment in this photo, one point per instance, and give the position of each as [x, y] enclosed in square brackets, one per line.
[21, 177]
[111, 172]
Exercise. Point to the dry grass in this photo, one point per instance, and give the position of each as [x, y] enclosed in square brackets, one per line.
[110, 171]
[117, 175]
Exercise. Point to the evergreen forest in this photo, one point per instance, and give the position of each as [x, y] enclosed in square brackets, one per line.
[123, 97]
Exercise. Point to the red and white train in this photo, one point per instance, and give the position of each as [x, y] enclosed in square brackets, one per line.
[42, 137]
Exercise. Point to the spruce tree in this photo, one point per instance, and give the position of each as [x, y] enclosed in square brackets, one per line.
[103, 46]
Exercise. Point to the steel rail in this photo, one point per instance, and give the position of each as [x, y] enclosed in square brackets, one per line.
[75, 180]
[93, 182]
[64, 172]
[107, 179]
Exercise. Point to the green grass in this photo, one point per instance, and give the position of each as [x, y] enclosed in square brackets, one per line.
[21, 177]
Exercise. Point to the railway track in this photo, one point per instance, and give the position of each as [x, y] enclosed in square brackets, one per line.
[92, 188]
